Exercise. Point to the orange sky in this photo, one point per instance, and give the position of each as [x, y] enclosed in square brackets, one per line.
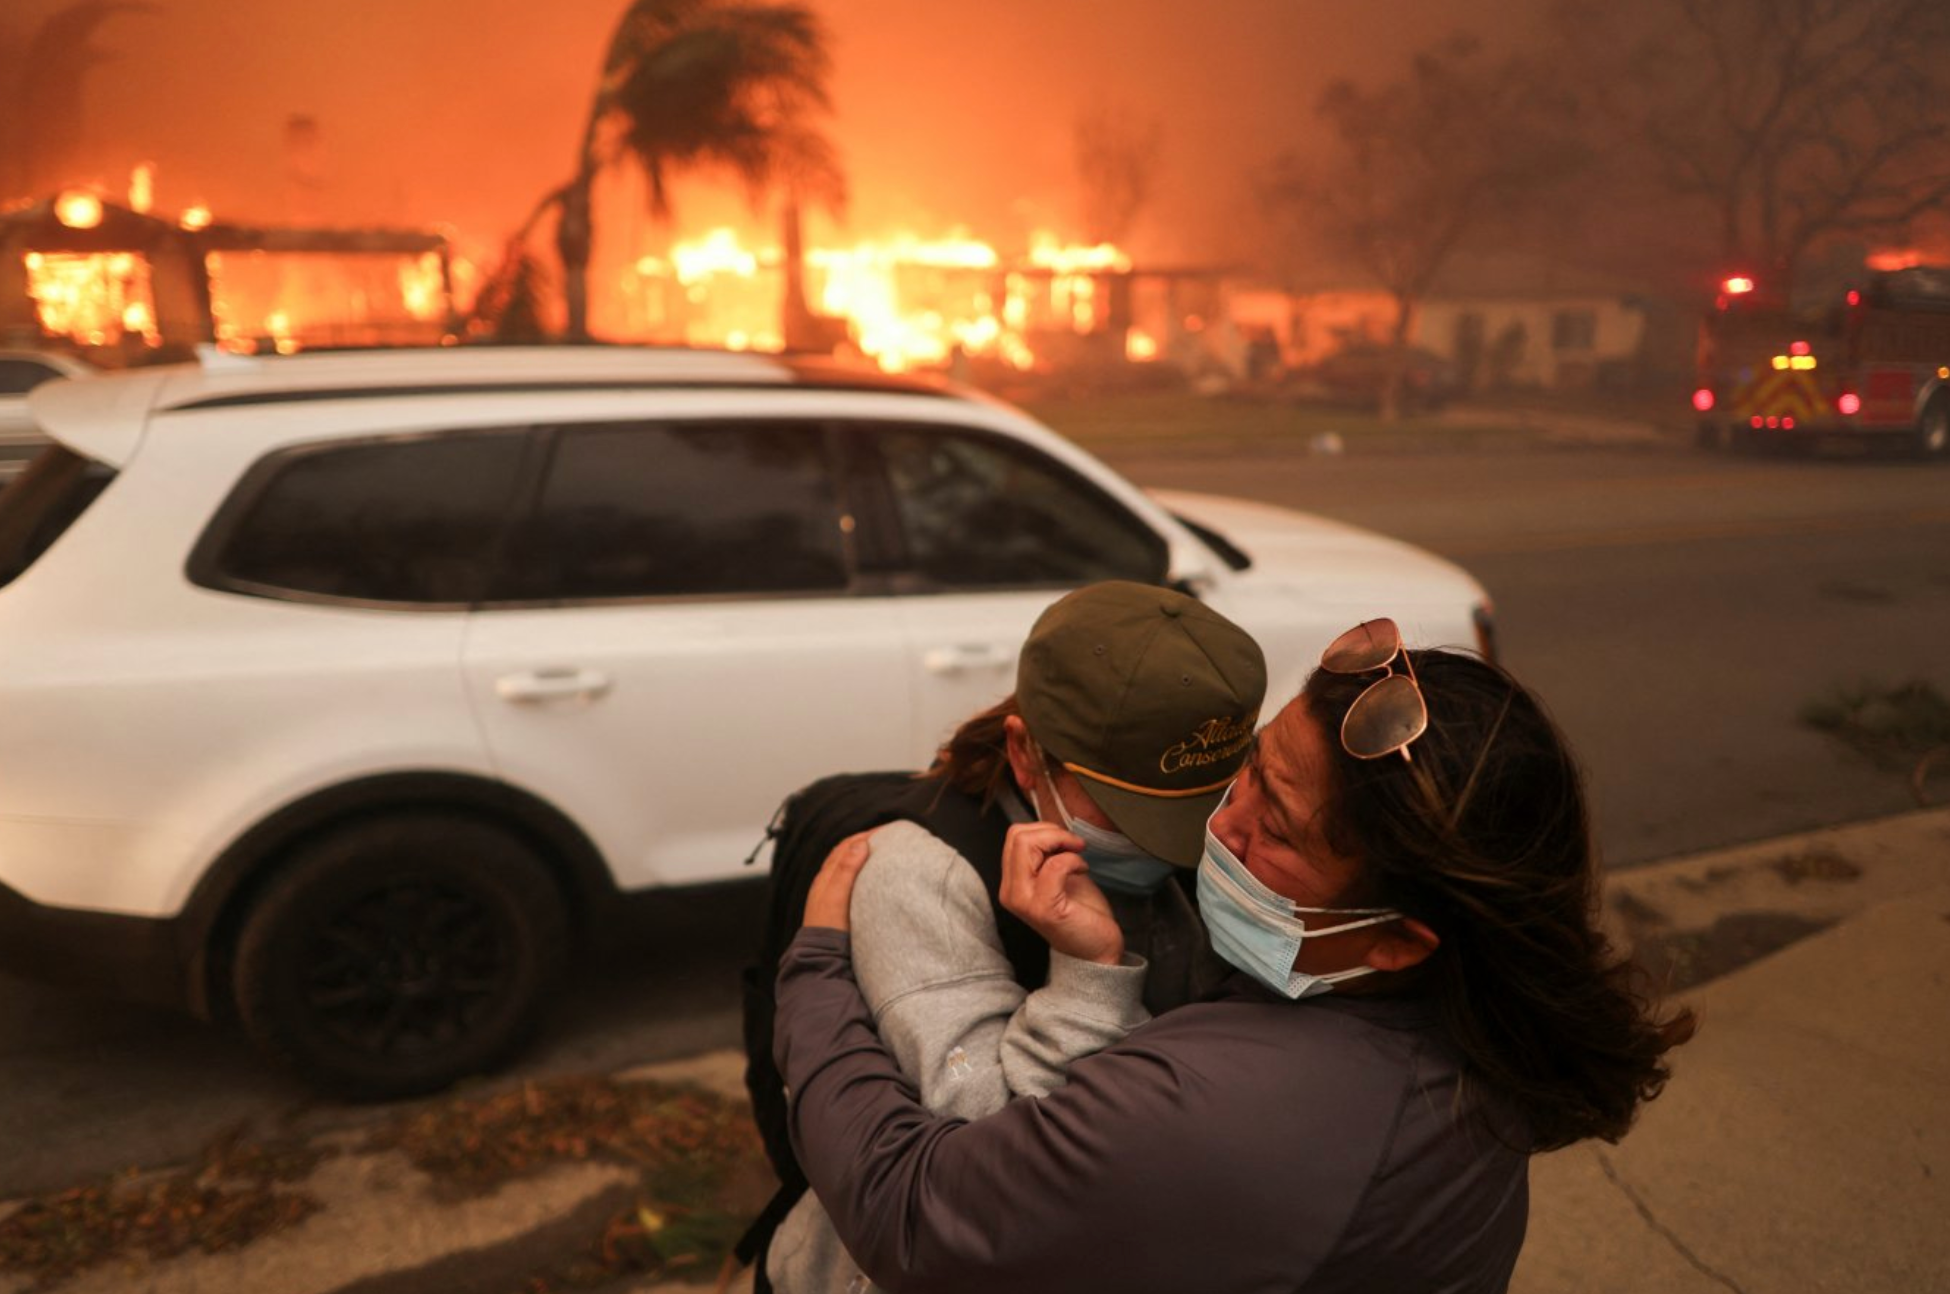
[947, 115]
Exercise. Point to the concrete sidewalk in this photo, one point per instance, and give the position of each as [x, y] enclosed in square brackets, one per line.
[1803, 1145]
[1804, 1142]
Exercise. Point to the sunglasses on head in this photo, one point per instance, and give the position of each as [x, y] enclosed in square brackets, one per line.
[1390, 713]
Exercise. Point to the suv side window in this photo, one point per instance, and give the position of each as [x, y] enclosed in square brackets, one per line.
[642, 510]
[978, 511]
[412, 520]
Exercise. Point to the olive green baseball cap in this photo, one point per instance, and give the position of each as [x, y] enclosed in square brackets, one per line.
[1150, 699]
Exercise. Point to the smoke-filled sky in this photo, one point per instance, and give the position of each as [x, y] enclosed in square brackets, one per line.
[946, 114]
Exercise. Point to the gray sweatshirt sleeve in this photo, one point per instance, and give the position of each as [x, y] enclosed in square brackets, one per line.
[1083, 1009]
[944, 997]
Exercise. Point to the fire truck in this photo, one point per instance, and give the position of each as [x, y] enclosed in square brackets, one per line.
[1873, 366]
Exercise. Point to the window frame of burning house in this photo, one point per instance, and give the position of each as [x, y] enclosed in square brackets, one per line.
[897, 544]
[230, 555]
[521, 579]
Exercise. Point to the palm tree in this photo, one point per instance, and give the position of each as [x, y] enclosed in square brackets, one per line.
[700, 83]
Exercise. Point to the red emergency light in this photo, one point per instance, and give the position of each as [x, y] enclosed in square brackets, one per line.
[1703, 400]
[1854, 297]
[1737, 286]
[1849, 403]
[1800, 348]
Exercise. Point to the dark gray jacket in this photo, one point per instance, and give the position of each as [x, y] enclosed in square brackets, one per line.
[1242, 1144]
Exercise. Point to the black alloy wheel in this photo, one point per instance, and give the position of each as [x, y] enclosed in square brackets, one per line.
[398, 955]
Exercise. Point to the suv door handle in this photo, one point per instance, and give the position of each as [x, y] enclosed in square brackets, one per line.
[964, 657]
[552, 685]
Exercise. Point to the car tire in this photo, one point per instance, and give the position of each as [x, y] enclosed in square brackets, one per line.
[1933, 429]
[396, 955]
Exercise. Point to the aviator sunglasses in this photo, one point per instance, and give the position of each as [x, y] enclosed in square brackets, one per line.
[1390, 714]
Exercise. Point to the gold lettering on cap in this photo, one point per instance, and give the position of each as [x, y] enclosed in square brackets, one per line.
[1213, 742]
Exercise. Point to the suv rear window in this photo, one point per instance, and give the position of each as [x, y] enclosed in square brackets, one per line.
[645, 510]
[414, 520]
[42, 503]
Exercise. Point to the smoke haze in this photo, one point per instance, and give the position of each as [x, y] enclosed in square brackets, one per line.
[947, 115]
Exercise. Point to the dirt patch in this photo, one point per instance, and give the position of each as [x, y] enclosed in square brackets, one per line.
[1712, 878]
[1636, 913]
[702, 1172]
[1816, 865]
[1903, 729]
[1683, 959]
[701, 1175]
[235, 1194]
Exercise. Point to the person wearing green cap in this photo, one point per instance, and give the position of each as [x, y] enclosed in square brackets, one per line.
[1134, 708]
[1403, 879]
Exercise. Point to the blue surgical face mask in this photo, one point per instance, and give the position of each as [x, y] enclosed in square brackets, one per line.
[1260, 932]
[1116, 862]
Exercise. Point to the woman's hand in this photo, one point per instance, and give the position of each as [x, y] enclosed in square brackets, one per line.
[1045, 882]
[831, 894]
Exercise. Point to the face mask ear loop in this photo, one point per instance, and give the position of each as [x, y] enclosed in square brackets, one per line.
[1049, 780]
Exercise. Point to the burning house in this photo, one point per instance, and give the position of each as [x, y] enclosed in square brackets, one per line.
[117, 284]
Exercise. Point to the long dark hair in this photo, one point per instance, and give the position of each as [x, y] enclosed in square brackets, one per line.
[1486, 838]
[975, 759]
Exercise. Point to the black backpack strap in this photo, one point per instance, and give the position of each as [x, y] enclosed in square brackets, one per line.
[977, 832]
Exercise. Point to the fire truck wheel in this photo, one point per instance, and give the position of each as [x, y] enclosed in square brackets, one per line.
[1933, 429]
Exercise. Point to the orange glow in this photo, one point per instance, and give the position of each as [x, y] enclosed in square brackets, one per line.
[93, 300]
[142, 188]
[1892, 260]
[421, 290]
[1140, 347]
[78, 209]
[196, 217]
[907, 302]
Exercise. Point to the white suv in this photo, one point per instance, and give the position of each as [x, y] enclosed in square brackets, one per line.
[345, 693]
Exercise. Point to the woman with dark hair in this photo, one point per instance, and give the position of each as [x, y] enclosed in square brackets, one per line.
[1402, 876]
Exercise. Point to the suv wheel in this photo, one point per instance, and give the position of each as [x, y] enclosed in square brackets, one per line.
[398, 955]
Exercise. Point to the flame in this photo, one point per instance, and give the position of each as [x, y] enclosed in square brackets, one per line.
[142, 188]
[1140, 347]
[96, 299]
[78, 209]
[422, 290]
[1889, 261]
[907, 301]
[1047, 253]
[718, 253]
